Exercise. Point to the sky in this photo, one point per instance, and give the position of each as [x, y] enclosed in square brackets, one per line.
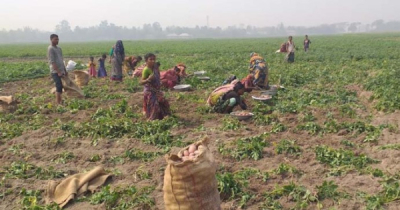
[46, 14]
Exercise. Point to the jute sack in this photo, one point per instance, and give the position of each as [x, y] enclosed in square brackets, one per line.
[81, 78]
[7, 104]
[70, 88]
[191, 185]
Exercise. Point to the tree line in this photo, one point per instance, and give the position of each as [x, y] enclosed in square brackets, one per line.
[109, 31]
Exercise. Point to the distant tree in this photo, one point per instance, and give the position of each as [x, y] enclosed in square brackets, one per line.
[353, 27]
[377, 25]
[63, 27]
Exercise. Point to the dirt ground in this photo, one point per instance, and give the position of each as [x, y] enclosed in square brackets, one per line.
[40, 151]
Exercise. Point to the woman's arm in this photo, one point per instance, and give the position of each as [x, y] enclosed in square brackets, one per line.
[145, 81]
[242, 105]
[147, 76]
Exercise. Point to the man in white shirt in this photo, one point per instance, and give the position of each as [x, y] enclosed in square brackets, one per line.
[290, 50]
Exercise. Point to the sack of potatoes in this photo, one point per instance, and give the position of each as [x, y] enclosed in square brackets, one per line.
[7, 104]
[189, 180]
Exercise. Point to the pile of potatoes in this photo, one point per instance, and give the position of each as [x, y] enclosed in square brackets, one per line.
[190, 153]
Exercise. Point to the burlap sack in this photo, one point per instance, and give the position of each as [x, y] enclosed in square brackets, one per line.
[7, 104]
[70, 88]
[192, 184]
[81, 78]
[75, 185]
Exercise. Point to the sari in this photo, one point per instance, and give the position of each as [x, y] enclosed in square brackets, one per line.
[102, 69]
[259, 69]
[169, 78]
[154, 104]
[117, 61]
[128, 64]
[92, 69]
[248, 83]
[218, 93]
[138, 71]
[182, 68]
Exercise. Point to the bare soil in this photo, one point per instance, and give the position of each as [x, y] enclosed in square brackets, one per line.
[39, 150]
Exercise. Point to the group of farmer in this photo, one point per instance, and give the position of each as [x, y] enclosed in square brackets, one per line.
[155, 105]
[289, 48]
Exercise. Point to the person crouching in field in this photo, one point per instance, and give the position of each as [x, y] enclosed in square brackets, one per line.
[290, 47]
[117, 61]
[259, 69]
[130, 63]
[248, 83]
[172, 77]
[225, 98]
[182, 69]
[101, 72]
[155, 106]
[56, 64]
[307, 43]
[92, 67]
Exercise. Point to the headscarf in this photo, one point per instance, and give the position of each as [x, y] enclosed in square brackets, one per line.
[119, 48]
[253, 54]
[238, 86]
[181, 64]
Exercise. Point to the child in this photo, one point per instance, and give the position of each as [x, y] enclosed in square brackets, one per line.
[102, 69]
[307, 43]
[92, 67]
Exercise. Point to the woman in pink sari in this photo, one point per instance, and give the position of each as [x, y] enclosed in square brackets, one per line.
[171, 77]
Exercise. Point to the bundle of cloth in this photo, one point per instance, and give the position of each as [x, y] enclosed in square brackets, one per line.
[62, 192]
[7, 104]
[282, 49]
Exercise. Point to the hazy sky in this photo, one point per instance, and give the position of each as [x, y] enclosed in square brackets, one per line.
[46, 14]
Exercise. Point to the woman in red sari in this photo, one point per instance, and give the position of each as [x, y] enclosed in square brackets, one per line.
[170, 78]
[182, 69]
[248, 83]
[155, 105]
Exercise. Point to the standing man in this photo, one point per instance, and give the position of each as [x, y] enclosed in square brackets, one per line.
[290, 50]
[57, 67]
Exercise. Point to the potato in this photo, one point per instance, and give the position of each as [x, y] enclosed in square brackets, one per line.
[185, 153]
[192, 148]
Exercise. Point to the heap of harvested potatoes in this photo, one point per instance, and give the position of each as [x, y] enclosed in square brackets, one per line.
[191, 153]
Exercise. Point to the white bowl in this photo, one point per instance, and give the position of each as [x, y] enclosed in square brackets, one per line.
[182, 87]
[262, 97]
[269, 92]
[203, 78]
[199, 72]
[242, 117]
